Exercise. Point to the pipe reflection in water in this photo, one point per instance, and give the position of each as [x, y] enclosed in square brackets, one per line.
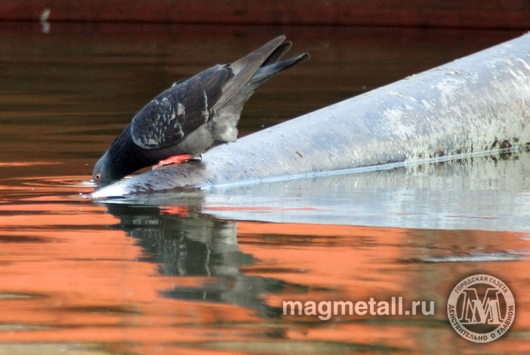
[201, 247]
[481, 192]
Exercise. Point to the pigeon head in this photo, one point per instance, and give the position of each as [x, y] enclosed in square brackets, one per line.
[101, 173]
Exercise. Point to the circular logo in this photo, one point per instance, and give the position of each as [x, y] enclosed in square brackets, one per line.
[481, 308]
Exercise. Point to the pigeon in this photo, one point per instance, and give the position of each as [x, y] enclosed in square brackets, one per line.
[194, 115]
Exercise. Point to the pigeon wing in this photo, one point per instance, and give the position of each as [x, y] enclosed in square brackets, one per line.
[179, 110]
[244, 69]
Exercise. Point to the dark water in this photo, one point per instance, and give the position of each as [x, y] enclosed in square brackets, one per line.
[208, 273]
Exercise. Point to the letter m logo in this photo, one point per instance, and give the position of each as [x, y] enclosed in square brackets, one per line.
[481, 311]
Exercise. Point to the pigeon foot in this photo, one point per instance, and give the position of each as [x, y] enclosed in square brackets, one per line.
[176, 159]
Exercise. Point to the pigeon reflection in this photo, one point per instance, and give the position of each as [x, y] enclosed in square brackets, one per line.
[186, 244]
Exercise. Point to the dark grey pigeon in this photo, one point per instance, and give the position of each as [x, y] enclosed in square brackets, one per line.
[193, 115]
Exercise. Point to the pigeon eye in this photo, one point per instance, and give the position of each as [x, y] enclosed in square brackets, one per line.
[97, 176]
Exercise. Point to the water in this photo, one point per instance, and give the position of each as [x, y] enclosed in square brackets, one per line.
[206, 273]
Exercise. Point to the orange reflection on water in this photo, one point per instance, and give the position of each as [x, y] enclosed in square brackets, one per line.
[67, 277]
[351, 263]
[72, 272]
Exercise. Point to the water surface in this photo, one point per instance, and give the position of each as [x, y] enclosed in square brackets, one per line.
[207, 273]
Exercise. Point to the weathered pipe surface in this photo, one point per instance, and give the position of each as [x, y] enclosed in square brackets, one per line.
[478, 103]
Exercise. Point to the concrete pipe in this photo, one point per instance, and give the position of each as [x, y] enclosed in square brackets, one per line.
[475, 104]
